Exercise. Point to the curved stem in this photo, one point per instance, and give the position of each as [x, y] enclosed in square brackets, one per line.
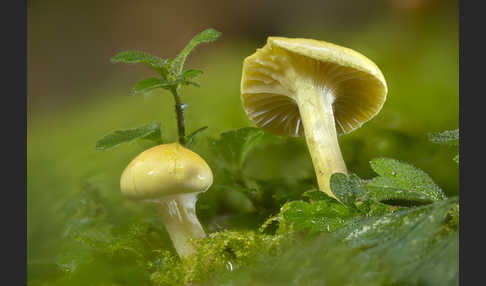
[315, 106]
[181, 123]
[178, 214]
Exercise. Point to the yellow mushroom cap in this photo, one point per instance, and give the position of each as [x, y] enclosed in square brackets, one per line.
[271, 78]
[165, 170]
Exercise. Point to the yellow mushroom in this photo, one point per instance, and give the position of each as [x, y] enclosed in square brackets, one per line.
[171, 176]
[305, 87]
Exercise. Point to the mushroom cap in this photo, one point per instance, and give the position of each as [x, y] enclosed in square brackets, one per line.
[271, 75]
[165, 170]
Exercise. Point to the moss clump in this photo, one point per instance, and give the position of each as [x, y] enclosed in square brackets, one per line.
[219, 253]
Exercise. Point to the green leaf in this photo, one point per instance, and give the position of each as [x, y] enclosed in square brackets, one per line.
[186, 76]
[373, 231]
[316, 195]
[448, 137]
[386, 189]
[149, 131]
[411, 239]
[149, 84]
[191, 83]
[320, 216]
[190, 74]
[190, 138]
[406, 177]
[233, 146]
[205, 36]
[345, 188]
[134, 57]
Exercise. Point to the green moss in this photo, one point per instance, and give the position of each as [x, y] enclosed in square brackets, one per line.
[220, 253]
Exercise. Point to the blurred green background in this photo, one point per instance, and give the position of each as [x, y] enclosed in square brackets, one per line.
[75, 95]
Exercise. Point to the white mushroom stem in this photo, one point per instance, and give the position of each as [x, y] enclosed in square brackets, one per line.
[178, 214]
[315, 107]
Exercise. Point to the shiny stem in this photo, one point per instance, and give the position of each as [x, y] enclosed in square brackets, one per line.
[315, 106]
[178, 214]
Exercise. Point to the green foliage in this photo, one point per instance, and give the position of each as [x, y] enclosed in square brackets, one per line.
[233, 146]
[345, 188]
[399, 184]
[394, 229]
[411, 240]
[219, 253]
[448, 137]
[134, 57]
[171, 70]
[149, 84]
[319, 216]
[112, 140]
[396, 175]
[408, 247]
[93, 247]
[206, 36]
[192, 136]
[230, 154]
[172, 78]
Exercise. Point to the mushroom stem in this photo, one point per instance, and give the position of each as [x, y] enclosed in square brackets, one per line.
[315, 106]
[178, 214]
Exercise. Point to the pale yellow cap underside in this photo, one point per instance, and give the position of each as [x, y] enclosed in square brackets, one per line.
[165, 170]
[270, 77]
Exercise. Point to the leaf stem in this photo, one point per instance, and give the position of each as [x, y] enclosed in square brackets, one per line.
[181, 122]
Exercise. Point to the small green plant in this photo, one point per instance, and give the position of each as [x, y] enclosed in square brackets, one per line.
[171, 77]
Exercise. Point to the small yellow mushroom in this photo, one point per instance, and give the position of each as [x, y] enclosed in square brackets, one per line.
[171, 176]
[305, 87]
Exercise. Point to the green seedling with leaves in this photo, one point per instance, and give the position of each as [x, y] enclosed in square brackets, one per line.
[171, 77]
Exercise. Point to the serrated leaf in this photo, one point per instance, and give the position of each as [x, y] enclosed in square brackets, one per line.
[406, 177]
[205, 36]
[386, 189]
[369, 232]
[448, 137]
[149, 131]
[411, 239]
[134, 57]
[149, 84]
[345, 188]
[320, 216]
